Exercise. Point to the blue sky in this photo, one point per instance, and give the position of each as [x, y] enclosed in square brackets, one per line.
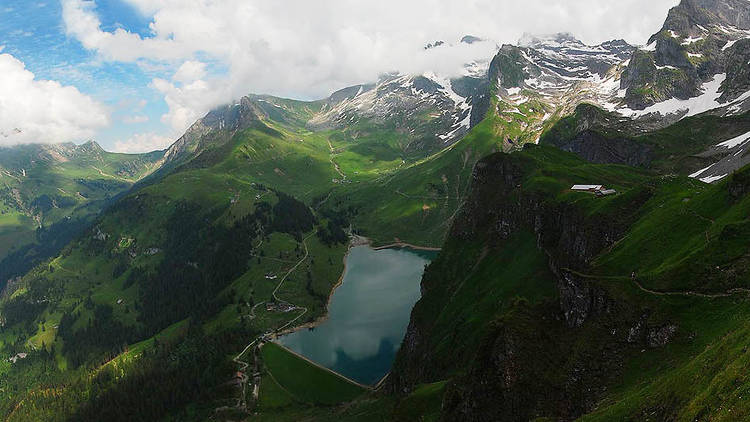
[35, 34]
[134, 74]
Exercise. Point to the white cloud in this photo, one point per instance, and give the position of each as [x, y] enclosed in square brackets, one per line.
[136, 118]
[143, 142]
[307, 49]
[190, 71]
[188, 102]
[41, 111]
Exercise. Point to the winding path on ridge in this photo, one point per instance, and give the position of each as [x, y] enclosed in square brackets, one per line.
[685, 293]
[335, 164]
[728, 293]
[242, 402]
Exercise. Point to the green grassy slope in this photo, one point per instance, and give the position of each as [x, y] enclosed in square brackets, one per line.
[294, 376]
[675, 149]
[556, 371]
[194, 243]
[188, 251]
[416, 203]
[48, 193]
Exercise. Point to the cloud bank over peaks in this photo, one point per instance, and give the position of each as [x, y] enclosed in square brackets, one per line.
[219, 51]
[143, 142]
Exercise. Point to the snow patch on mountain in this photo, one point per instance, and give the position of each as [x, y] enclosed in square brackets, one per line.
[739, 140]
[692, 40]
[711, 179]
[708, 100]
[736, 105]
[461, 104]
[732, 155]
[699, 172]
[728, 45]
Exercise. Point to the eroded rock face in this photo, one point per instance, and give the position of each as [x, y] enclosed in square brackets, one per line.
[661, 336]
[693, 46]
[647, 84]
[595, 148]
[731, 12]
[401, 381]
[738, 70]
[580, 299]
[600, 137]
[739, 185]
[555, 358]
[522, 374]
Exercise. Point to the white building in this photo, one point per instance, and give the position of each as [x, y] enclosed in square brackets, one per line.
[587, 188]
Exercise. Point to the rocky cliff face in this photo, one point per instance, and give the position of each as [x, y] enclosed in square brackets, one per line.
[546, 77]
[400, 102]
[692, 48]
[599, 137]
[596, 148]
[737, 82]
[532, 361]
[696, 63]
[225, 119]
[568, 237]
[430, 110]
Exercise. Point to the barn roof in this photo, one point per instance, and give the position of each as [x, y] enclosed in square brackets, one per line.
[587, 187]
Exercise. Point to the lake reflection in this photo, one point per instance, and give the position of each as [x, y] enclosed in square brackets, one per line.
[368, 314]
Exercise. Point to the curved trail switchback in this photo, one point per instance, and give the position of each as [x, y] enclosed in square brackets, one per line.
[258, 341]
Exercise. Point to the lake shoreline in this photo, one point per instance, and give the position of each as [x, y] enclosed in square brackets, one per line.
[403, 245]
[316, 364]
[397, 243]
[323, 318]
[354, 242]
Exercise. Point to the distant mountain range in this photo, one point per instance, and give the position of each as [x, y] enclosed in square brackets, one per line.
[49, 193]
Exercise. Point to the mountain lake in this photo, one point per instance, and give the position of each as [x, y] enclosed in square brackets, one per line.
[367, 315]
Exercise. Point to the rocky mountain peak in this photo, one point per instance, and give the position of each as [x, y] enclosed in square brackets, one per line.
[568, 56]
[689, 53]
[690, 14]
[553, 63]
[395, 98]
[90, 146]
[470, 39]
[348, 93]
[437, 43]
[228, 118]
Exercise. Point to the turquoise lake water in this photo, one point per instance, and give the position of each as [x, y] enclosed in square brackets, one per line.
[368, 314]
